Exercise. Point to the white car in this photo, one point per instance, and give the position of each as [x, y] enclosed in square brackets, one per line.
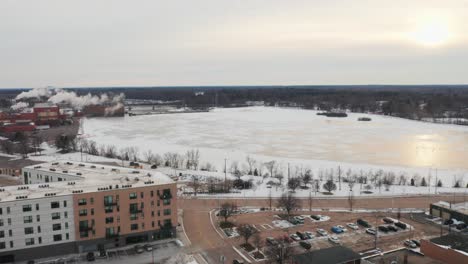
[295, 237]
[410, 244]
[334, 239]
[352, 226]
[322, 232]
[371, 231]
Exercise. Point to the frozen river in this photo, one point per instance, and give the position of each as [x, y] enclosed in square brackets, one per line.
[291, 134]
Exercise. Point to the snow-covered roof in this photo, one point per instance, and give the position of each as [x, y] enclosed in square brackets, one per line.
[89, 177]
[461, 207]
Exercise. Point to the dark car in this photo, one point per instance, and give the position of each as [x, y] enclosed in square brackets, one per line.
[236, 261]
[90, 256]
[301, 235]
[383, 228]
[363, 223]
[139, 249]
[401, 225]
[305, 244]
[392, 228]
[154, 166]
[315, 217]
[461, 226]
[416, 242]
[388, 220]
[448, 222]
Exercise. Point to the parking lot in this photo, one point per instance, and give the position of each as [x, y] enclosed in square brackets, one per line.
[270, 224]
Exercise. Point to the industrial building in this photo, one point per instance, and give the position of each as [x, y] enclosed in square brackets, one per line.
[450, 249]
[72, 207]
[445, 210]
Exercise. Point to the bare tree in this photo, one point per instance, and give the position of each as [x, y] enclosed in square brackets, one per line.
[329, 186]
[271, 167]
[7, 146]
[36, 143]
[195, 184]
[148, 156]
[192, 159]
[23, 147]
[157, 160]
[246, 231]
[227, 210]
[288, 202]
[294, 183]
[251, 163]
[351, 200]
[307, 177]
[281, 253]
[257, 241]
[93, 150]
[111, 151]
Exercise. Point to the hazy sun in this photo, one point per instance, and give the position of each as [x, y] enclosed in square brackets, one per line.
[431, 34]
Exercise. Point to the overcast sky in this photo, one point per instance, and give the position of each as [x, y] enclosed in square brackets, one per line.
[232, 42]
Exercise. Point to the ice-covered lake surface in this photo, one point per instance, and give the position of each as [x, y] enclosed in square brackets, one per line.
[290, 134]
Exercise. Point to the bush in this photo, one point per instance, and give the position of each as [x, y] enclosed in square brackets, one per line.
[226, 224]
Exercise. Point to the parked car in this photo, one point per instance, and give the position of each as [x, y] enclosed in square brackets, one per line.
[352, 226]
[371, 231]
[383, 228]
[461, 226]
[392, 228]
[90, 256]
[301, 235]
[388, 220]
[336, 230]
[305, 244]
[334, 239]
[237, 261]
[322, 232]
[295, 237]
[299, 219]
[342, 228]
[401, 225]
[417, 242]
[309, 234]
[315, 217]
[148, 247]
[363, 223]
[410, 244]
[448, 222]
[139, 249]
[271, 241]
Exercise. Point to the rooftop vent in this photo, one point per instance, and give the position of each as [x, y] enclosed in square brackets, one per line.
[55, 163]
[77, 191]
[69, 163]
[79, 173]
[71, 183]
[149, 182]
[21, 197]
[2, 190]
[23, 187]
[37, 167]
[81, 165]
[44, 186]
[127, 186]
[65, 171]
[50, 194]
[135, 172]
[93, 167]
[52, 169]
[103, 189]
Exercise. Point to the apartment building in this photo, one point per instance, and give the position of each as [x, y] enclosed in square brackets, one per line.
[73, 207]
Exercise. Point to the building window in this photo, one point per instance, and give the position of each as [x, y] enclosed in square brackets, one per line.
[67, 236]
[27, 208]
[65, 214]
[142, 194]
[29, 241]
[2, 245]
[108, 209]
[55, 216]
[152, 193]
[83, 212]
[152, 224]
[54, 205]
[109, 220]
[1, 222]
[57, 237]
[38, 218]
[167, 201]
[40, 240]
[37, 207]
[56, 227]
[2, 234]
[152, 213]
[1, 211]
[9, 221]
[82, 201]
[133, 217]
[10, 233]
[27, 219]
[64, 203]
[28, 230]
[167, 211]
[159, 213]
[159, 203]
[11, 244]
[38, 229]
[92, 211]
[108, 200]
[133, 208]
[133, 195]
[134, 227]
[8, 210]
[91, 200]
[66, 225]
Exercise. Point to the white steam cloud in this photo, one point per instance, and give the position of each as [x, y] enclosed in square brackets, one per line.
[19, 106]
[58, 96]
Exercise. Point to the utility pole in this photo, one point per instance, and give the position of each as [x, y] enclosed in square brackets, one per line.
[288, 171]
[225, 174]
